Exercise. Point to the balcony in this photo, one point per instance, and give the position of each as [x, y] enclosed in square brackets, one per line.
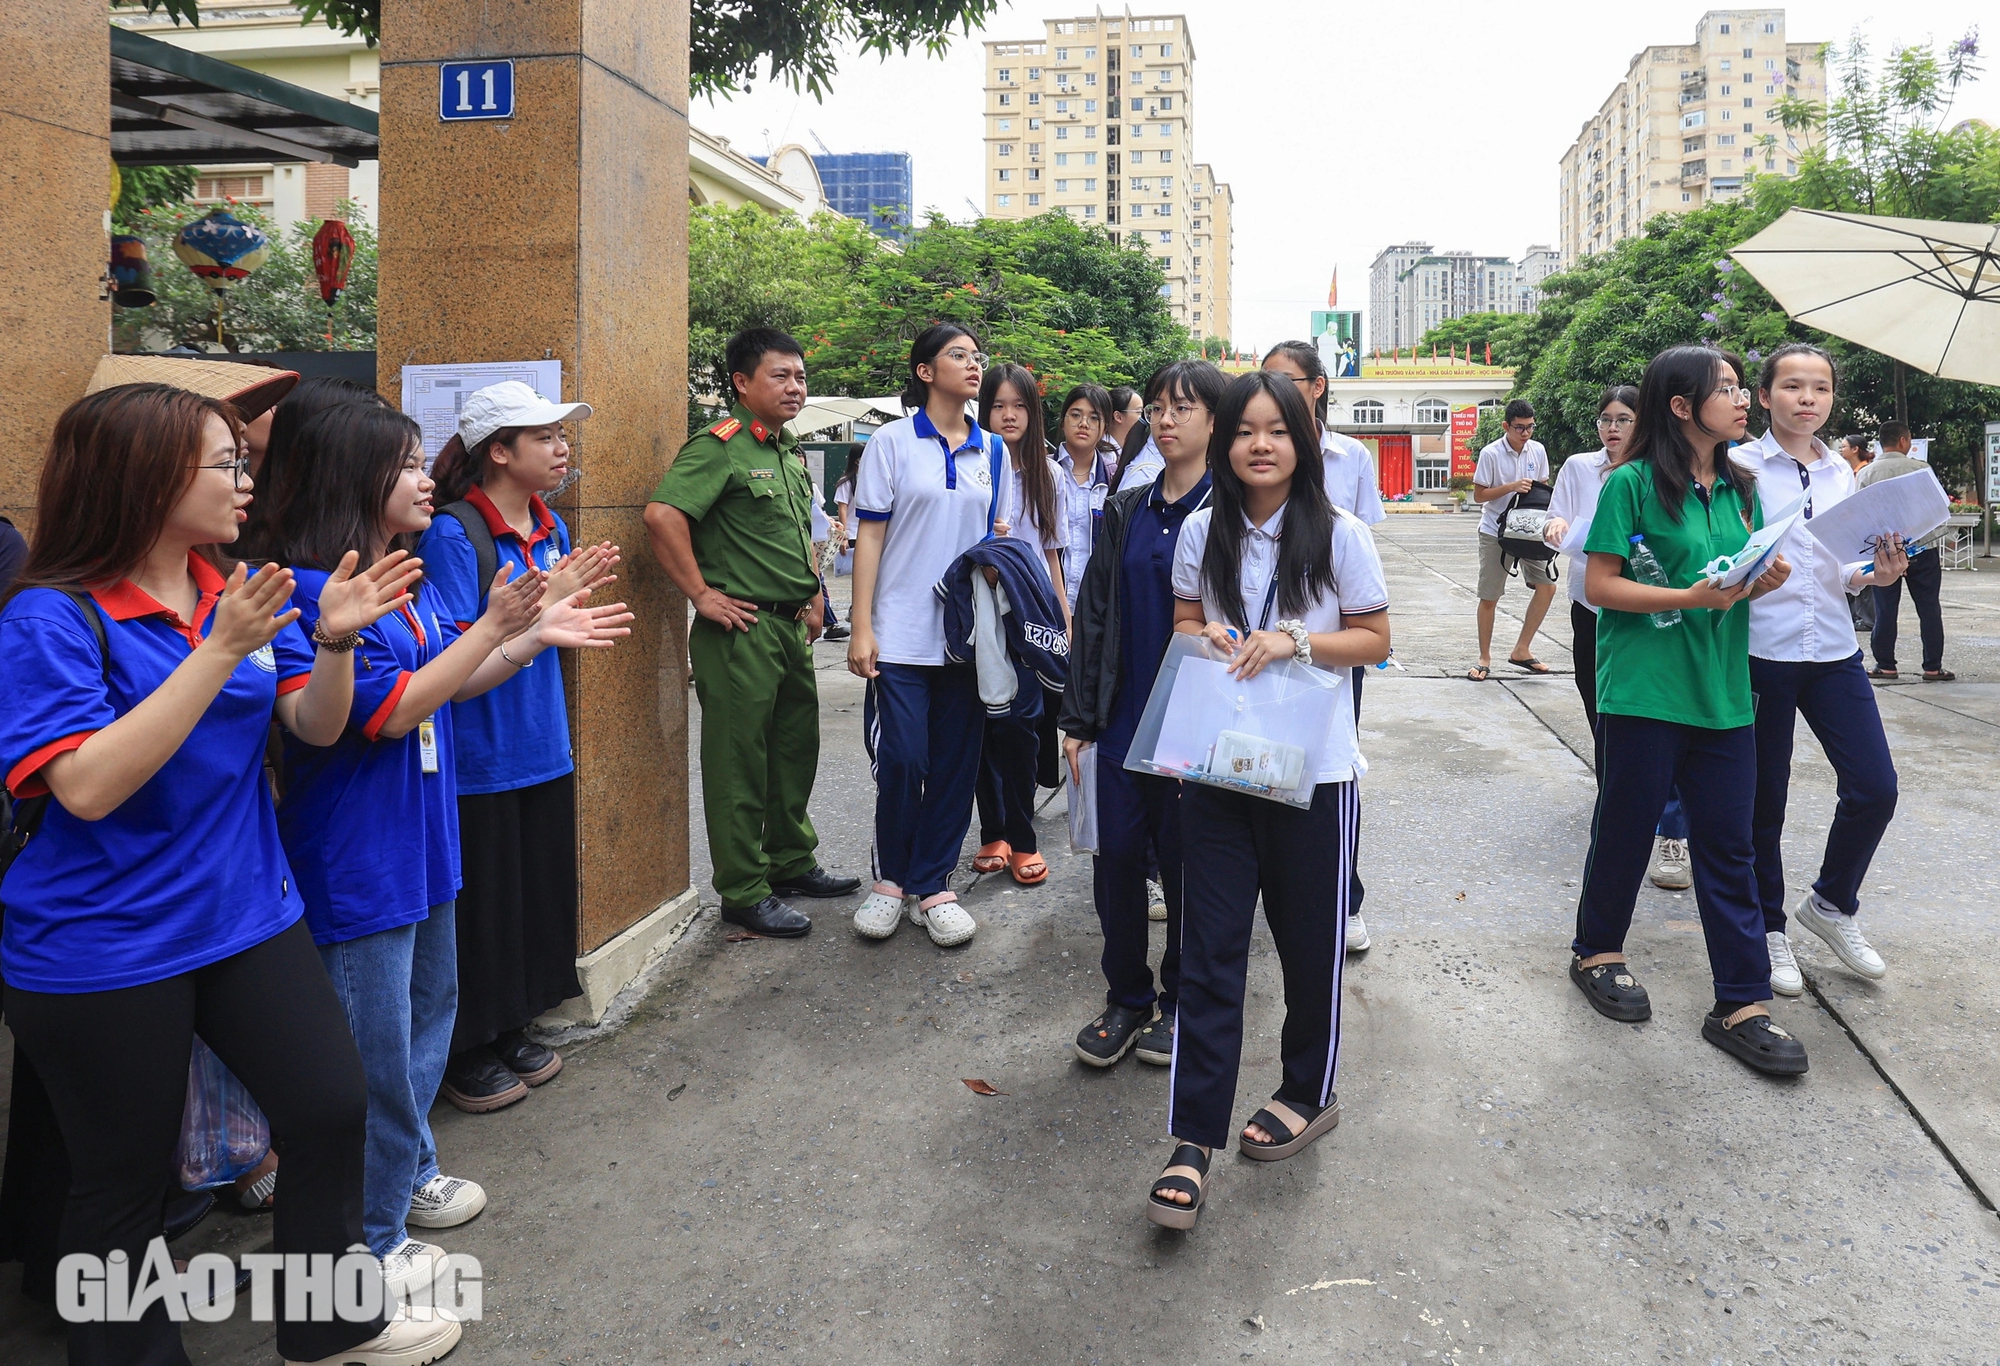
[1694, 170]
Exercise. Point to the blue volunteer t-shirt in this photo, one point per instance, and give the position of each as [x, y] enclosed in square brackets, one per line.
[516, 735]
[186, 871]
[372, 837]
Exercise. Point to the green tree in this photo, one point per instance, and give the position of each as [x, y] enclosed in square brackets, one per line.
[146, 187]
[797, 41]
[1216, 348]
[1504, 332]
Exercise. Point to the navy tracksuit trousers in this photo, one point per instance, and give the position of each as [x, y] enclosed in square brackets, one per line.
[1138, 815]
[921, 724]
[1644, 760]
[1838, 702]
[1237, 846]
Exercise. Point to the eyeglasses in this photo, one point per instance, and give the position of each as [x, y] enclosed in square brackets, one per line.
[1182, 412]
[1614, 421]
[1735, 393]
[239, 469]
[958, 355]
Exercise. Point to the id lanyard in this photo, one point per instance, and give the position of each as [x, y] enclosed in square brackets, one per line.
[427, 745]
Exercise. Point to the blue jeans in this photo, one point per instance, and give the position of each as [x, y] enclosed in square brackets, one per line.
[399, 989]
[922, 725]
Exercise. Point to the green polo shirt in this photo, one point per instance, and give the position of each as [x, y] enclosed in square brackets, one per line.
[746, 491]
[1698, 672]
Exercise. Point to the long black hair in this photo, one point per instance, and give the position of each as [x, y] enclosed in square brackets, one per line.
[1306, 356]
[1037, 480]
[924, 351]
[1305, 550]
[278, 480]
[1099, 398]
[1687, 372]
[350, 458]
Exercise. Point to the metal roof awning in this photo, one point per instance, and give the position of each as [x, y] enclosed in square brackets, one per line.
[172, 107]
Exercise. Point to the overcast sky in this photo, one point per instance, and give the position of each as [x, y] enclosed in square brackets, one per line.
[1342, 128]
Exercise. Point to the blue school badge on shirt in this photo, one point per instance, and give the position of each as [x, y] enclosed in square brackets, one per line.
[265, 658]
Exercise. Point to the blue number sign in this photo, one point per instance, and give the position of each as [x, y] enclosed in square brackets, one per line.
[476, 90]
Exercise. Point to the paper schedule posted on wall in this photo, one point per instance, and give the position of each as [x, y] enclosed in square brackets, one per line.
[433, 394]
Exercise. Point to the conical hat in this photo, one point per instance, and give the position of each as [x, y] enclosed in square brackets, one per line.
[251, 388]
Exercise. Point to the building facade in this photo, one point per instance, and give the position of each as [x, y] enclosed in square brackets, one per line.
[1413, 287]
[1688, 124]
[784, 182]
[1095, 119]
[1416, 417]
[1214, 255]
[879, 188]
[1537, 264]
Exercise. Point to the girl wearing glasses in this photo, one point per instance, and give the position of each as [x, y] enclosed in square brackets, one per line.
[1089, 464]
[1010, 406]
[371, 822]
[142, 671]
[925, 496]
[1673, 698]
[1124, 619]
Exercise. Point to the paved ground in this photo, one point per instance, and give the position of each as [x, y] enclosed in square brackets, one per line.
[773, 1157]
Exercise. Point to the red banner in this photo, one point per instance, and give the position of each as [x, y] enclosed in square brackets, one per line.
[1464, 421]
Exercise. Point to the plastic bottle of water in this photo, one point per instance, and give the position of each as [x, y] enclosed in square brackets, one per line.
[1646, 569]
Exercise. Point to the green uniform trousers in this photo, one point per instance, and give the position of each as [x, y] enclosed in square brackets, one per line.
[759, 752]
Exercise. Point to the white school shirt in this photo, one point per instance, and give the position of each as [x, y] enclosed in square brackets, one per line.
[1350, 476]
[1146, 466]
[1082, 505]
[1808, 618]
[822, 525]
[1358, 589]
[1018, 510]
[1500, 463]
[843, 492]
[1578, 484]
[936, 507]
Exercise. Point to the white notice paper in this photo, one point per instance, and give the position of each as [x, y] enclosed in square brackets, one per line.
[1910, 505]
[1729, 570]
[433, 394]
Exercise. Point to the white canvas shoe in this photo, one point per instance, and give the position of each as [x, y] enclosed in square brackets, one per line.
[1671, 868]
[1357, 934]
[878, 915]
[404, 1341]
[948, 923]
[1842, 934]
[445, 1202]
[412, 1267]
[1156, 900]
[1786, 979]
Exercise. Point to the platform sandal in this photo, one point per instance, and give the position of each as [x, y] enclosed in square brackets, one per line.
[1300, 1124]
[1166, 1213]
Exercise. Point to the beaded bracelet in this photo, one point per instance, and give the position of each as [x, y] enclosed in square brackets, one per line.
[338, 645]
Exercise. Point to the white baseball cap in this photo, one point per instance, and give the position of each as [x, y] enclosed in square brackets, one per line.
[511, 403]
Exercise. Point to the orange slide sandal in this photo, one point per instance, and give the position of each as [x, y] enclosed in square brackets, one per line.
[1028, 869]
[991, 858]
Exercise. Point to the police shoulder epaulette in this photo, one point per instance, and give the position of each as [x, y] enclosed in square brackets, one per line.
[726, 428]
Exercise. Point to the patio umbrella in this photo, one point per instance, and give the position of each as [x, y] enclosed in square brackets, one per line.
[1926, 293]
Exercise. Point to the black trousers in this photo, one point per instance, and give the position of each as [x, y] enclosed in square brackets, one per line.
[1006, 787]
[1138, 817]
[1236, 846]
[1925, 577]
[1355, 891]
[116, 1063]
[516, 914]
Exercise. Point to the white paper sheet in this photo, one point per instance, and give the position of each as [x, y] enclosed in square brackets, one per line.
[1911, 505]
[1755, 556]
[433, 394]
[1573, 543]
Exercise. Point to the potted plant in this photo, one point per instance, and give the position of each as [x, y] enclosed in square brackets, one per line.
[1460, 489]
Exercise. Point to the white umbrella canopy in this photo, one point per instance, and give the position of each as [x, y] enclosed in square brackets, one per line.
[1925, 293]
[822, 413]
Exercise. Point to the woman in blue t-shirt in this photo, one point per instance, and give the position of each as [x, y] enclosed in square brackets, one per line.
[371, 822]
[154, 901]
[516, 783]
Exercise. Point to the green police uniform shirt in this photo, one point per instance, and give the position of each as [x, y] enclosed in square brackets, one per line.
[745, 489]
[1698, 672]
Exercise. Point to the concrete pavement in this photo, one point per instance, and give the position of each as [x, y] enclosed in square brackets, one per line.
[773, 1157]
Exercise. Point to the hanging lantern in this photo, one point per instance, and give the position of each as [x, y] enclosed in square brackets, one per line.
[131, 273]
[333, 256]
[221, 250]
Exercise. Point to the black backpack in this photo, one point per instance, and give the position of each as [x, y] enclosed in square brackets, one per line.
[1521, 523]
[485, 554]
[24, 817]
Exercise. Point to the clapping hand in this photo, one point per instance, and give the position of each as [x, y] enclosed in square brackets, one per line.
[589, 567]
[570, 625]
[351, 601]
[511, 608]
[247, 616]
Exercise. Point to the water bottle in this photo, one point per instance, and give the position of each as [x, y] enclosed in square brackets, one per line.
[1646, 569]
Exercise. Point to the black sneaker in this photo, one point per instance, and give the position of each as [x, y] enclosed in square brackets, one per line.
[840, 630]
[1110, 1036]
[477, 1082]
[1155, 1042]
[532, 1062]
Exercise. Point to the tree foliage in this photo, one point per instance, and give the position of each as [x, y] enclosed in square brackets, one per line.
[1504, 332]
[796, 41]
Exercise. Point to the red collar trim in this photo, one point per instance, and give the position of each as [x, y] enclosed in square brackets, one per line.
[545, 521]
[126, 601]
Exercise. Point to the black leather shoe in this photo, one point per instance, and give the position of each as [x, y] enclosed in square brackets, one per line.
[816, 883]
[771, 918]
[183, 1211]
[477, 1082]
[840, 630]
[532, 1062]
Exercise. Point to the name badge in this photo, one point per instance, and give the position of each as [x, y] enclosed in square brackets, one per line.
[427, 744]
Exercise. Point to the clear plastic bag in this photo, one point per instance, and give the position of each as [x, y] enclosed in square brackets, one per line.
[1270, 736]
[223, 1133]
[1083, 803]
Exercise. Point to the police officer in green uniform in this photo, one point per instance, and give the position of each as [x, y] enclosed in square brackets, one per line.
[731, 524]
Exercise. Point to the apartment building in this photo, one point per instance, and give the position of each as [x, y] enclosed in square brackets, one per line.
[1687, 125]
[1537, 264]
[1412, 287]
[1095, 119]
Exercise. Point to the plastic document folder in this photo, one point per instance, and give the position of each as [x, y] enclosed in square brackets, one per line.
[1726, 571]
[1270, 736]
[1910, 505]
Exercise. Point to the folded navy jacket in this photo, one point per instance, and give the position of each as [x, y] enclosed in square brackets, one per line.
[1012, 632]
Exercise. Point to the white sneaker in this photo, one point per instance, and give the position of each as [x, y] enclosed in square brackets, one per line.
[1156, 900]
[403, 1341]
[1357, 934]
[413, 1267]
[879, 915]
[1786, 979]
[1671, 868]
[947, 922]
[1842, 934]
[446, 1202]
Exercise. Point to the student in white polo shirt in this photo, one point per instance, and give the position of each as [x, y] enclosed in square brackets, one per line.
[1507, 467]
[924, 497]
[1269, 572]
[1804, 662]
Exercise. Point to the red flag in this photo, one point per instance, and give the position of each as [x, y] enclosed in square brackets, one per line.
[1489, 353]
[1333, 289]
[1434, 350]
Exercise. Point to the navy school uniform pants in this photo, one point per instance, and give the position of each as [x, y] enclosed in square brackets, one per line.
[1355, 891]
[1838, 702]
[1235, 846]
[1645, 760]
[1138, 815]
[1583, 632]
[922, 725]
[1006, 790]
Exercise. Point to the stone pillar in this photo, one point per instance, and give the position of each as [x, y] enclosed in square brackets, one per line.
[55, 198]
[562, 232]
